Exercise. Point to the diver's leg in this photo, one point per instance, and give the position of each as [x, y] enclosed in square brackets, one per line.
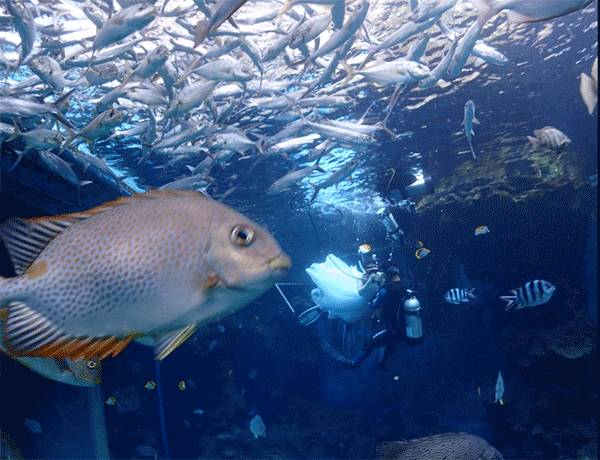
[334, 354]
[380, 339]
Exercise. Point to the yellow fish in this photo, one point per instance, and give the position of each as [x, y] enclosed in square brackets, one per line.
[80, 372]
[421, 252]
[151, 267]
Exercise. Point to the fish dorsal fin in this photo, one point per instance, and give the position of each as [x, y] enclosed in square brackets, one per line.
[165, 343]
[26, 239]
[27, 333]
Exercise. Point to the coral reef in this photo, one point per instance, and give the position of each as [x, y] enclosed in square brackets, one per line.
[510, 172]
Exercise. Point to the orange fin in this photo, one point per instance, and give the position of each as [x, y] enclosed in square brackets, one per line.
[27, 333]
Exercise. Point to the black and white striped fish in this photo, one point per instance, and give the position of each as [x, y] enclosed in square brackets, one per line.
[456, 295]
[534, 293]
[548, 137]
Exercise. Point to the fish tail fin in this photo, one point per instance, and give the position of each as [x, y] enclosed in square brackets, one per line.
[317, 167]
[16, 134]
[367, 59]
[72, 136]
[470, 293]
[202, 30]
[535, 142]
[284, 9]
[350, 71]
[58, 104]
[472, 149]
[510, 301]
[316, 187]
[485, 10]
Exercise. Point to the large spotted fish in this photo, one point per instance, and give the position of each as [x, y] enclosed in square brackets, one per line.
[444, 446]
[152, 267]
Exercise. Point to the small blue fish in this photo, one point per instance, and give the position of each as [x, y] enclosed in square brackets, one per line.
[499, 392]
[33, 426]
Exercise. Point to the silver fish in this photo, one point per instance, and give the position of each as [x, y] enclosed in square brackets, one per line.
[25, 25]
[60, 167]
[225, 70]
[98, 128]
[488, 53]
[398, 72]
[468, 122]
[283, 147]
[499, 390]
[16, 107]
[190, 97]
[440, 70]
[401, 35]
[49, 71]
[38, 138]
[124, 23]
[339, 37]
[336, 177]
[102, 74]
[530, 10]
[284, 183]
[232, 140]
[275, 48]
[417, 49]
[310, 30]
[428, 9]
[196, 182]
[153, 61]
[223, 11]
[464, 48]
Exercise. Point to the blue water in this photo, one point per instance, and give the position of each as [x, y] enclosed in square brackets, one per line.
[262, 361]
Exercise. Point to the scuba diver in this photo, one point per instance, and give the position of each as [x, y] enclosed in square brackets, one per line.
[372, 275]
[350, 300]
[388, 319]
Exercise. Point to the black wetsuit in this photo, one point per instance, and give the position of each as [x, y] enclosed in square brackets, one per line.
[391, 304]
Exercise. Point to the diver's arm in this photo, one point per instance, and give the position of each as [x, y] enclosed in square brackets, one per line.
[373, 278]
[363, 284]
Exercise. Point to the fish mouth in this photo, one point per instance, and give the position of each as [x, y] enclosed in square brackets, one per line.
[280, 265]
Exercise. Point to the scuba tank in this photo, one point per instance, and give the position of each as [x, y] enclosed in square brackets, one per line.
[412, 317]
[390, 224]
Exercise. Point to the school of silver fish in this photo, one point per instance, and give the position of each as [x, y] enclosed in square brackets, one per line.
[203, 83]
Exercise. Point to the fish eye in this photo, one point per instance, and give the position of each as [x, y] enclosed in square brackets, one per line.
[91, 364]
[242, 235]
